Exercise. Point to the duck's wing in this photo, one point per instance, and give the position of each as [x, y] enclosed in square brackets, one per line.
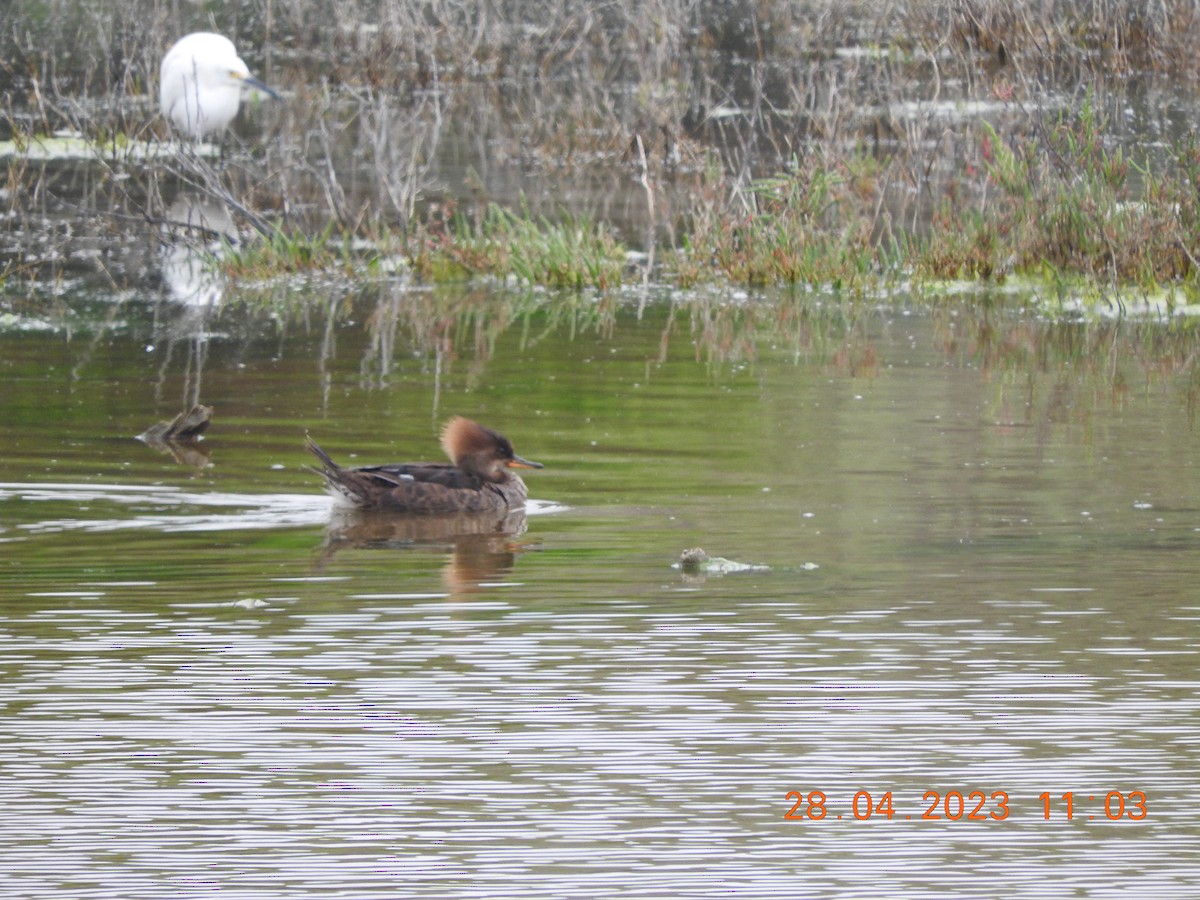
[399, 474]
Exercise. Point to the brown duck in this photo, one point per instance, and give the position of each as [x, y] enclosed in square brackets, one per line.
[478, 478]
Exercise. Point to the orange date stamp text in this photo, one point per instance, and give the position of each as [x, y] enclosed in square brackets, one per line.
[965, 806]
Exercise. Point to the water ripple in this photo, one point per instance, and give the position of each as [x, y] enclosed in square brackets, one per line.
[499, 751]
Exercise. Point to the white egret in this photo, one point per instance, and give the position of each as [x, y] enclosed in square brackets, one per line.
[201, 83]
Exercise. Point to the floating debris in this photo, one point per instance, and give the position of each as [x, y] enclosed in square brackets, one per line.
[694, 561]
[181, 436]
[187, 426]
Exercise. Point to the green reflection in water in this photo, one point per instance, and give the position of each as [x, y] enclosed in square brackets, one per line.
[777, 429]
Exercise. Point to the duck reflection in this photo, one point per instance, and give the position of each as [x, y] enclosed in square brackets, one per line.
[481, 547]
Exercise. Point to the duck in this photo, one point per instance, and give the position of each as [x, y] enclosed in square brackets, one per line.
[478, 478]
[201, 82]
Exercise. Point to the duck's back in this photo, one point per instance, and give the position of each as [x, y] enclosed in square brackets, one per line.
[398, 474]
[423, 488]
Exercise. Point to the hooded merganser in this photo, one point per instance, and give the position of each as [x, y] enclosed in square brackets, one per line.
[479, 479]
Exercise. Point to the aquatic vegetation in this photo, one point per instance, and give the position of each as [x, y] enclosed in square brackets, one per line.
[572, 253]
[1069, 205]
[827, 145]
[288, 253]
[807, 225]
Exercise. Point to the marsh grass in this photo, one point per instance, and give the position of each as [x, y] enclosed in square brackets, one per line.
[1068, 204]
[280, 252]
[820, 143]
[573, 252]
[811, 224]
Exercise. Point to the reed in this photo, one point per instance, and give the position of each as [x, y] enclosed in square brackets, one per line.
[828, 143]
[572, 253]
[1067, 204]
[283, 253]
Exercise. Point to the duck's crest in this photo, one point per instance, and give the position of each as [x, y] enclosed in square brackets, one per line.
[461, 438]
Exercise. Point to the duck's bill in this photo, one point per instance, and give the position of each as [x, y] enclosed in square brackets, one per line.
[252, 82]
[517, 463]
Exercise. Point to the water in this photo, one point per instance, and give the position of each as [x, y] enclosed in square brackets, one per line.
[981, 535]
[976, 530]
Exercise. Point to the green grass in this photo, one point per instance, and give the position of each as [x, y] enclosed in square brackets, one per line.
[1065, 205]
[287, 253]
[807, 225]
[574, 253]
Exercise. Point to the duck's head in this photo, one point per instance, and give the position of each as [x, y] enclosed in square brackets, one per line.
[481, 451]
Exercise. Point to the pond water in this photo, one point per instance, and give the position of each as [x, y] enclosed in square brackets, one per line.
[978, 535]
